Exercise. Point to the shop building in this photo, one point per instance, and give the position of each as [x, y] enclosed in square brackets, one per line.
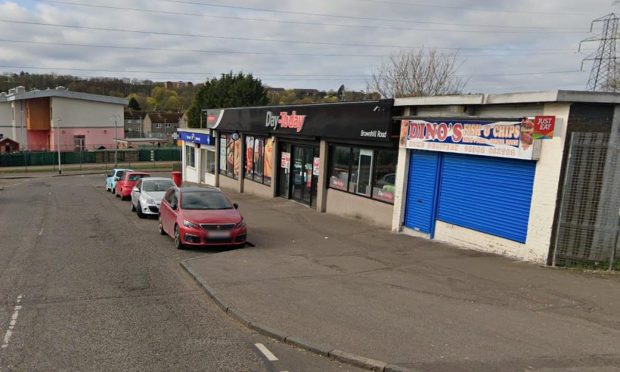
[486, 172]
[336, 158]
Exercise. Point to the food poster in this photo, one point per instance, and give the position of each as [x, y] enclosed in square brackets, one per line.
[230, 155]
[237, 158]
[249, 154]
[268, 158]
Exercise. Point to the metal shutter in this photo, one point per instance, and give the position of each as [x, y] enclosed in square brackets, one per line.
[421, 191]
[486, 194]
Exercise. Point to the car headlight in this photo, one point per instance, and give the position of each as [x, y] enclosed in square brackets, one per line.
[240, 224]
[187, 223]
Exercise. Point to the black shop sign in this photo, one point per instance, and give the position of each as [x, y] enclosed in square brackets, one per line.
[369, 120]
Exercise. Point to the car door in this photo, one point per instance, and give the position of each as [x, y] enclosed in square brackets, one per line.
[173, 210]
[164, 210]
[135, 195]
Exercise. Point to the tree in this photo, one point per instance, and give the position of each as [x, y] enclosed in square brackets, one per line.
[411, 73]
[133, 104]
[228, 91]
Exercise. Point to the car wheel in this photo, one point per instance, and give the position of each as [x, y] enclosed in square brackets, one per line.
[177, 238]
[139, 210]
[133, 207]
[161, 228]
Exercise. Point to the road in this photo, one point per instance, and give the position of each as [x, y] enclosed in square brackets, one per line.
[86, 285]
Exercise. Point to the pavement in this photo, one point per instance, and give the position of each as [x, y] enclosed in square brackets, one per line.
[85, 285]
[342, 287]
[86, 168]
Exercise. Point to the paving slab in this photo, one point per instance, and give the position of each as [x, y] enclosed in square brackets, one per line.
[411, 302]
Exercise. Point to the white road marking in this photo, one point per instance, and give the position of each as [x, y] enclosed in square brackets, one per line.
[268, 354]
[9, 332]
[41, 231]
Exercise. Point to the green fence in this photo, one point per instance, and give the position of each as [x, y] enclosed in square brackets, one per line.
[21, 159]
[158, 154]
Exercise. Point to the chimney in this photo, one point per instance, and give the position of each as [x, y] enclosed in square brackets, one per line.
[20, 89]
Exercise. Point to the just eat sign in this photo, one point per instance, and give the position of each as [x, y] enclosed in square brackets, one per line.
[544, 127]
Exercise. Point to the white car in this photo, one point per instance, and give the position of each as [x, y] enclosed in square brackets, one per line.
[147, 194]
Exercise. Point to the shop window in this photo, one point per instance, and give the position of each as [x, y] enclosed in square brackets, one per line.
[210, 168]
[362, 171]
[190, 156]
[258, 159]
[223, 147]
[385, 175]
[249, 157]
[340, 167]
[230, 152]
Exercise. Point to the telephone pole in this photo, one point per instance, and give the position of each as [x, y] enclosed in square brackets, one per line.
[603, 76]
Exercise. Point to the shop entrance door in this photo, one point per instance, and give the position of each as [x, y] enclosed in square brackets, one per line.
[298, 181]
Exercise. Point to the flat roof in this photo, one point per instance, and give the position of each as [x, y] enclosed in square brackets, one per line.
[512, 98]
[62, 93]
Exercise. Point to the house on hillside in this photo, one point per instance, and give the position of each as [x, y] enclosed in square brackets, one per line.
[161, 124]
[44, 120]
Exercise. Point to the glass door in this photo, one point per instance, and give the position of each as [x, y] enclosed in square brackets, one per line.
[284, 154]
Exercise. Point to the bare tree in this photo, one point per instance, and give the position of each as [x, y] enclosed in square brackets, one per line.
[425, 72]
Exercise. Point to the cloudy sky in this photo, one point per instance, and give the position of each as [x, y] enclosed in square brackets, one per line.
[516, 45]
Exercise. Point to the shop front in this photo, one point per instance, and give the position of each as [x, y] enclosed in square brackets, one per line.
[198, 156]
[322, 155]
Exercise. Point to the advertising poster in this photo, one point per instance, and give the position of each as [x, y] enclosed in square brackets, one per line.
[544, 126]
[223, 147]
[316, 165]
[512, 138]
[267, 171]
[230, 156]
[237, 158]
[285, 160]
[249, 154]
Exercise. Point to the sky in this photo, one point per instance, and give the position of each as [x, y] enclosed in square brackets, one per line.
[502, 45]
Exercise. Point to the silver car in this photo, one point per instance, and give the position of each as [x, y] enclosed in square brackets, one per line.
[147, 194]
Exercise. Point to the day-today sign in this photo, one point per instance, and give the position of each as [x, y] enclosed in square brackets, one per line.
[509, 138]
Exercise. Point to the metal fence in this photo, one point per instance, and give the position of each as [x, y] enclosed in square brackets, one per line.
[26, 158]
[589, 223]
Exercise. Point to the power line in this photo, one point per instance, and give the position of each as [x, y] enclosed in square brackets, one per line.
[511, 11]
[399, 20]
[279, 76]
[269, 20]
[151, 32]
[268, 53]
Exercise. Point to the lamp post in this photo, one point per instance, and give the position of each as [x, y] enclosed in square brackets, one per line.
[58, 144]
[115, 142]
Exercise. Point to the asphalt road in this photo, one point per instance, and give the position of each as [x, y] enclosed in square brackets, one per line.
[86, 285]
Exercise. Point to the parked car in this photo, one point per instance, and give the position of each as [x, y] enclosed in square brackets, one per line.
[196, 216]
[113, 177]
[127, 182]
[147, 194]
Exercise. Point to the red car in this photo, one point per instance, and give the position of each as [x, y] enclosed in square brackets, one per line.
[125, 185]
[197, 216]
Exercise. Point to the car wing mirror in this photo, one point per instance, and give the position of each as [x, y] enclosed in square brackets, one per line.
[236, 205]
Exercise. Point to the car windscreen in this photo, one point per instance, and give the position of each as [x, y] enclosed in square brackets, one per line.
[135, 177]
[204, 200]
[156, 185]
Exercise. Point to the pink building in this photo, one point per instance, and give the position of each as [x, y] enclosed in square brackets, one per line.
[42, 120]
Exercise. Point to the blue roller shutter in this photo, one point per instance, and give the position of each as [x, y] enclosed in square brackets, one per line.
[490, 195]
[422, 191]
